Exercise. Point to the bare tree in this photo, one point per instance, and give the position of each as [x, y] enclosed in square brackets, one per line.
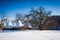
[18, 16]
[38, 17]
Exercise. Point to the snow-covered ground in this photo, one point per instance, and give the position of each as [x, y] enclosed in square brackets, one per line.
[30, 35]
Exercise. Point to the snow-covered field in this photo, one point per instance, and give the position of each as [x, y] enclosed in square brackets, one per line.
[30, 35]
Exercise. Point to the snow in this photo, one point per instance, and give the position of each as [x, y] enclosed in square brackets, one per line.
[19, 24]
[4, 24]
[9, 25]
[30, 35]
[29, 25]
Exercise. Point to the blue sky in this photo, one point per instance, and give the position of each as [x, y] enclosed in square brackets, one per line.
[11, 7]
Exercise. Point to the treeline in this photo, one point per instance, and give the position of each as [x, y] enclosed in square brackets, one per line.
[40, 19]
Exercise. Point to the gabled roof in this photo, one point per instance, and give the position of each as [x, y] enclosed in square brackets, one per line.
[9, 24]
[19, 24]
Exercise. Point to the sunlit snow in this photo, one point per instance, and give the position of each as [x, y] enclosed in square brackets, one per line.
[30, 35]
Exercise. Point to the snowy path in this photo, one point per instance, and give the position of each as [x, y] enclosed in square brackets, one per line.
[30, 35]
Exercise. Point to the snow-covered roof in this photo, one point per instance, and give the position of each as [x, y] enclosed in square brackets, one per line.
[29, 25]
[19, 24]
[9, 24]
